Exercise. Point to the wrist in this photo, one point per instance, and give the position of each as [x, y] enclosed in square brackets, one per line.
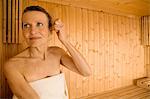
[64, 41]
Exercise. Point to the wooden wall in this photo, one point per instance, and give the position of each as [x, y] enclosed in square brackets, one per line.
[110, 43]
[145, 31]
[0, 47]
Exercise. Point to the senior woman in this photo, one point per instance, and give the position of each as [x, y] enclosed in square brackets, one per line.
[35, 72]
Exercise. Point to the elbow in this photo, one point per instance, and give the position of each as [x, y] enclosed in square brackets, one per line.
[87, 73]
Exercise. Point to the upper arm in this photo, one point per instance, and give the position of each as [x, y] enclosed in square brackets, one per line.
[18, 84]
[67, 61]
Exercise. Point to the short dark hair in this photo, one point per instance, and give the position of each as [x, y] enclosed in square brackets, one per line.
[39, 8]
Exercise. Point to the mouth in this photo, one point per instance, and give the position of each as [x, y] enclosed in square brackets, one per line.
[34, 38]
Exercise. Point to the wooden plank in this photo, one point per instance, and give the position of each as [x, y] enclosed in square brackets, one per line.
[51, 9]
[115, 27]
[9, 21]
[116, 50]
[101, 51]
[1, 44]
[138, 89]
[146, 31]
[143, 25]
[120, 51]
[17, 21]
[124, 51]
[13, 11]
[145, 95]
[85, 48]
[149, 29]
[4, 20]
[148, 68]
[105, 73]
[135, 7]
[58, 15]
[90, 47]
[106, 62]
[65, 19]
[130, 49]
[79, 46]
[111, 51]
[133, 94]
[96, 51]
[20, 21]
[117, 91]
[72, 30]
[141, 95]
[142, 33]
[126, 80]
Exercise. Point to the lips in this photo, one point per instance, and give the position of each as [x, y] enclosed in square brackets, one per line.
[34, 38]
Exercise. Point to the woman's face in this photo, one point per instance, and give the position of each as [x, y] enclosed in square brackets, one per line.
[35, 28]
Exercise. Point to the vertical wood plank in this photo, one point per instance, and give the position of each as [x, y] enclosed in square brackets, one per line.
[4, 20]
[90, 47]
[65, 19]
[58, 15]
[13, 25]
[1, 42]
[20, 21]
[149, 29]
[106, 67]
[111, 55]
[9, 36]
[101, 54]
[17, 21]
[79, 47]
[85, 48]
[72, 27]
[96, 51]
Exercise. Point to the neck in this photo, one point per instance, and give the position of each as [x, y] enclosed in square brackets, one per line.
[38, 52]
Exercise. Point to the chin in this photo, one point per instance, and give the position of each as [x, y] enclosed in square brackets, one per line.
[36, 44]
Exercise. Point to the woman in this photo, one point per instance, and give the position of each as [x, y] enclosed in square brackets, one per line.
[35, 72]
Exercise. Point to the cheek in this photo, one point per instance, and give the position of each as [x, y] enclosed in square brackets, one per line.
[25, 34]
[45, 33]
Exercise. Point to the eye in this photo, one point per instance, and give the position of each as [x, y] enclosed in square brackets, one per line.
[39, 24]
[25, 25]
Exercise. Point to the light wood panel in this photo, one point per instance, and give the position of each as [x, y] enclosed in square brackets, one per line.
[147, 60]
[1, 3]
[128, 92]
[11, 21]
[120, 7]
[145, 29]
[110, 43]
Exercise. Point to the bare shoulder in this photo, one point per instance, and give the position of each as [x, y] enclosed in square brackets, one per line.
[11, 65]
[9, 68]
[15, 62]
[56, 50]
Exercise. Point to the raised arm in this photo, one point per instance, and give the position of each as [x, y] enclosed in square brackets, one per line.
[20, 88]
[76, 62]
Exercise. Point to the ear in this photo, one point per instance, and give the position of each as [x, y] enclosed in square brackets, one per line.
[50, 31]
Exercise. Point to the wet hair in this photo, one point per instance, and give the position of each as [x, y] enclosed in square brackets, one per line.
[40, 9]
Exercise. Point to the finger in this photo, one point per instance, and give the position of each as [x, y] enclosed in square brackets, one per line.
[57, 21]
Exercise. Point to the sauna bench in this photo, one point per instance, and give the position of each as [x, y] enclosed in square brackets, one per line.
[129, 92]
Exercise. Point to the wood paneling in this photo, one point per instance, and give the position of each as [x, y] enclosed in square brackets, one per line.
[145, 29]
[129, 92]
[110, 43]
[147, 59]
[121, 7]
[11, 21]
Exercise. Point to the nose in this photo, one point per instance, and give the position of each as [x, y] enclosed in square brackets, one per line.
[33, 30]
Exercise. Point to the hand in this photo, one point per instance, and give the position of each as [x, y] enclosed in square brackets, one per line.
[59, 29]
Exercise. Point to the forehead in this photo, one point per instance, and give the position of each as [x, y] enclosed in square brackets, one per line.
[31, 16]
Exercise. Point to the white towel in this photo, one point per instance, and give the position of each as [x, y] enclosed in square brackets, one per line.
[53, 87]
